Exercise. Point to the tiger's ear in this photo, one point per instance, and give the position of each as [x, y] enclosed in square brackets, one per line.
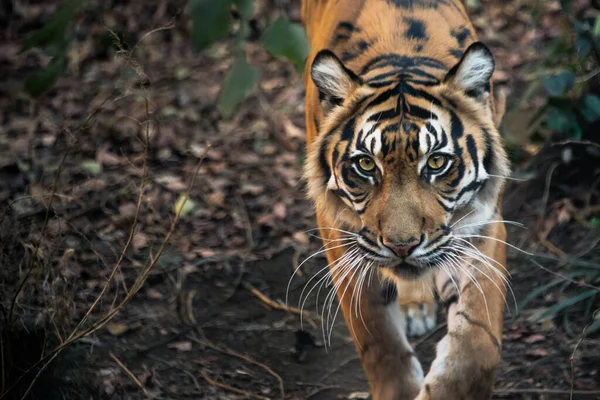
[473, 72]
[334, 81]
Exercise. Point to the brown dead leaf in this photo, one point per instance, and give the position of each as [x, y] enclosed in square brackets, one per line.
[171, 182]
[216, 199]
[106, 158]
[291, 130]
[206, 253]
[185, 345]
[154, 294]
[248, 158]
[280, 210]
[140, 240]
[534, 339]
[127, 210]
[301, 237]
[252, 188]
[537, 352]
[117, 329]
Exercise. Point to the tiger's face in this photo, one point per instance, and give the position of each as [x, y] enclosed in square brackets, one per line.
[406, 164]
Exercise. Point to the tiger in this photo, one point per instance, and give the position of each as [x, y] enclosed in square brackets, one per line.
[406, 169]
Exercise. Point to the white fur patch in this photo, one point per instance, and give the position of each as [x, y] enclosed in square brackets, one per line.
[329, 75]
[372, 140]
[475, 69]
[438, 367]
[397, 320]
[477, 220]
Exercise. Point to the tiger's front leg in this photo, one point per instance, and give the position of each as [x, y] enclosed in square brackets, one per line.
[378, 328]
[466, 360]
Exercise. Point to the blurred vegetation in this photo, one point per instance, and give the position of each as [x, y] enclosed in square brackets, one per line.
[567, 73]
[212, 21]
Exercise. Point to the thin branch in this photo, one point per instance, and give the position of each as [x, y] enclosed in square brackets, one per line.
[129, 373]
[225, 386]
[279, 306]
[206, 342]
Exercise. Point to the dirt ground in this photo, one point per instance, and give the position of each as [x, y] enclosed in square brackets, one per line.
[199, 328]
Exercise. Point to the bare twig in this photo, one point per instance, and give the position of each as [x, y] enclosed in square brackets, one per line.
[30, 267]
[340, 366]
[572, 359]
[279, 306]
[206, 342]
[565, 277]
[225, 386]
[129, 373]
[246, 221]
[320, 389]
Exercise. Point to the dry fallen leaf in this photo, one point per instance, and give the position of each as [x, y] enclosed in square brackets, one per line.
[117, 329]
[154, 294]
[358, 395]
[534, 339]
[537, 352]
[185, 345]
[140, 240]
[171, 182]
[279, 210]
[301, 237]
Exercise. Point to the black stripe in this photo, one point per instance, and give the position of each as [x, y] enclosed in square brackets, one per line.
[356, 50]
[403, 61]
[472, 149]
[489, 152]
[348, 131]
[446, 208]
[383, 115]
[461, 35]
[323, 160]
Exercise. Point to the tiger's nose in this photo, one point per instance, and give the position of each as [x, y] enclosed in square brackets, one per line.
[401, 249]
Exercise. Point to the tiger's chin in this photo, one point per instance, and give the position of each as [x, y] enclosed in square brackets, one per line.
[404, 271]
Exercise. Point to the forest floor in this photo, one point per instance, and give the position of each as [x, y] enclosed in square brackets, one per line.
[199, 327]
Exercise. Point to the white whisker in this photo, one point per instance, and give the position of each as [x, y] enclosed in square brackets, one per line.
[496, 239]
[302, 263]
[463, 217]
[474, 224]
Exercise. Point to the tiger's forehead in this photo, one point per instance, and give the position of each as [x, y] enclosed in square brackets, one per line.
[400, 136]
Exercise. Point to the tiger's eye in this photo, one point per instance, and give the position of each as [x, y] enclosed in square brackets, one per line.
[436, 161]
[366, 164]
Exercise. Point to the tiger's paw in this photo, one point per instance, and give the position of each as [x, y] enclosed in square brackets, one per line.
[421, 317]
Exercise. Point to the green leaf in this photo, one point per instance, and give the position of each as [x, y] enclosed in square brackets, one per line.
[245, 8]
[238, 83]
[559, 84]
[39, 82]
[591, 108]
[597, 26]
[285, 39]
[558, 120]
[538, 292]
[92, 166]
[54, 36]
[184, 205]
[593, 328]
[211, 21]
[553, 311]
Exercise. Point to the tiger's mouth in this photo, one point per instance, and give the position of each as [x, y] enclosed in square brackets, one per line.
[406, 270]
[409, 268]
